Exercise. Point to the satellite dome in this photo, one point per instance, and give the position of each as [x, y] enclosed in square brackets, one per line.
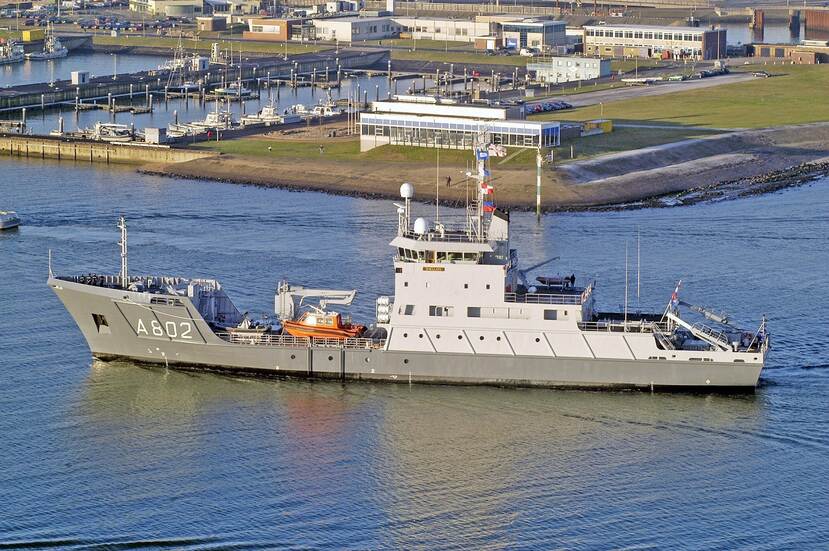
[420, 226]
[407, 191]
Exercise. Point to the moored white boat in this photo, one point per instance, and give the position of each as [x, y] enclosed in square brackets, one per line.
[8, 219]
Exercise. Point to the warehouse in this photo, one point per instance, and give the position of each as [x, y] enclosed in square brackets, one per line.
[570, 69]
[437, 123]
[654, 41]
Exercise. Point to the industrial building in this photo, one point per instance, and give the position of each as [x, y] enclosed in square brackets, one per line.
[544, 34]
[570, 69]
[456, 30]
[420, 121]
[352, 29]
[654, 41]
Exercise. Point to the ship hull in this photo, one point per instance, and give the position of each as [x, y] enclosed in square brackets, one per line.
[204, 350]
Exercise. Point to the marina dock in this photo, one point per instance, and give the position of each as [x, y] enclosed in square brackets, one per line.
[322, 66]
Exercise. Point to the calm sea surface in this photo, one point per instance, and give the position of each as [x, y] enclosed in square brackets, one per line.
[98, 64]
[119, 456]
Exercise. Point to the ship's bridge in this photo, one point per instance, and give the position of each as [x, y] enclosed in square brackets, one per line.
[440, 247]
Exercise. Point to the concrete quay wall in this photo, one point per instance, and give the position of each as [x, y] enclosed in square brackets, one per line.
[94, 152]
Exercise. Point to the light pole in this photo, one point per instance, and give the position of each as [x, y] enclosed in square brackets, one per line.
[114, 66]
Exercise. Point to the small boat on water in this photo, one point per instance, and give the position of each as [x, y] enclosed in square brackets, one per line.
[234, 89]
[52, 48]
[321, 324]
[269, 116]
[11, 52]
[8, 219]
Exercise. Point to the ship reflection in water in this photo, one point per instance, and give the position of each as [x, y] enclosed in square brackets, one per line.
[420, 464]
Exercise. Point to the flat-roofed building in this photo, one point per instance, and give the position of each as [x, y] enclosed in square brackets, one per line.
[654, 41]
[420, 121]
[168, 8]
[269, 28]
[456, 30]
[352, 29]
[543, 34]
[570, 69]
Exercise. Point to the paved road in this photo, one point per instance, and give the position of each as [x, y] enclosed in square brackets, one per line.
[629, 92]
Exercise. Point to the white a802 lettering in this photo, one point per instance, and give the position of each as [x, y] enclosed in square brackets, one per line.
[169, 329]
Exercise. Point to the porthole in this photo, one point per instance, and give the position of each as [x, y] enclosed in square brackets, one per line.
[293, 356]
[460, 337]
[497, 338]
[330, 358]
[405, 335]
[481, 337]
[537, 339]
[420, 336]
[406, 361]
[367, 359]
[437, 336]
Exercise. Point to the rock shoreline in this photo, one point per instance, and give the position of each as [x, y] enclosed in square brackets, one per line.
[777, 180]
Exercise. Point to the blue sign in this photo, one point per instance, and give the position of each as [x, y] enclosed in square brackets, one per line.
[482, 155]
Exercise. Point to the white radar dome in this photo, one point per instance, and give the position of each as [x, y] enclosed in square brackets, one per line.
[407, 191]
[420, 226]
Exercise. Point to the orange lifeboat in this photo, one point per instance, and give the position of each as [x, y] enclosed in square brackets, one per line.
[323, 325]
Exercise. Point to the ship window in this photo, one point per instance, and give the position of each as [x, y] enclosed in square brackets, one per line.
[405, 284]
[466, 285]
[473, 312]
[101, 323]
[441, 311]
[487, 285]
[550, 314]
[398, 270]
[407, 310]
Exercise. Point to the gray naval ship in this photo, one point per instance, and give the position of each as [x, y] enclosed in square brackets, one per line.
[463, 312]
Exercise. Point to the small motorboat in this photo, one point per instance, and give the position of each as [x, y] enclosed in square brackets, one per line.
[323, 325]
[8, 219]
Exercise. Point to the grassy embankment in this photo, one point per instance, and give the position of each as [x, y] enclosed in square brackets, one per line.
[793, 95]
[203, 45]
[349, 151]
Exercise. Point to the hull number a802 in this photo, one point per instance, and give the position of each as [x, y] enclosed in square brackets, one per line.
[169, 329]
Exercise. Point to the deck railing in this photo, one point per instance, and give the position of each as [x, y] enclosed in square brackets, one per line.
[632, 326]
[550, 298]
[270, 339]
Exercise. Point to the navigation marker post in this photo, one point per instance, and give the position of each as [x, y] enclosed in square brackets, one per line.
[538, 161]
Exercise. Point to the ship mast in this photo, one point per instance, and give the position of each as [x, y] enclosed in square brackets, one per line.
[122, 225]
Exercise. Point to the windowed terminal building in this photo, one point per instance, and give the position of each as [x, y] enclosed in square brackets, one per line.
[654, 41]
[421, 121]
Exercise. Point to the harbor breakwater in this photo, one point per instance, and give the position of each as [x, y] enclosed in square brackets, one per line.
[44, 147]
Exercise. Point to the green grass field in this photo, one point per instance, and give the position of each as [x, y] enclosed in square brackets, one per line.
[349, 151]
[168, 42]
[624, 139]
[441, 45]
[470, 58]
[794, 95]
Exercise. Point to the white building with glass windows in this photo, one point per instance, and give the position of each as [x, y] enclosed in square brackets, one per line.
[570, 69]
[654, 41]
[419, 121]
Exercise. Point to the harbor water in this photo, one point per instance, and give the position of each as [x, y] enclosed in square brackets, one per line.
[97, 454]
[98, 64]
[189, 110]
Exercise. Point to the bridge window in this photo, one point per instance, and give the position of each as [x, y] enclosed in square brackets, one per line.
[441, 311]
[407, 309]
[550, 314]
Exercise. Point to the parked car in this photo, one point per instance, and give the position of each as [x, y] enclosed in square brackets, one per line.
[761, 74]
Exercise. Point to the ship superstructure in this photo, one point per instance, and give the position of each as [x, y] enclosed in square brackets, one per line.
[463, 312]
